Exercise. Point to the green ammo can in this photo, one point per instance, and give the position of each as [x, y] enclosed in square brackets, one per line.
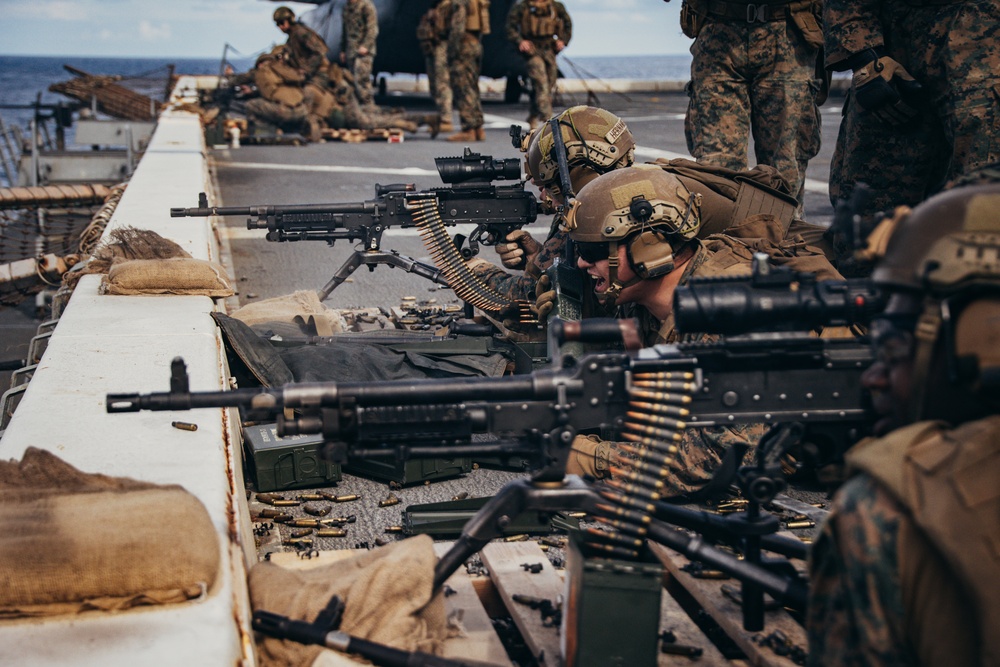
[611, 617]
[293, 462]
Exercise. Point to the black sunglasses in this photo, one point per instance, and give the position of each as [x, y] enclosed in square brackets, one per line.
[592, 253]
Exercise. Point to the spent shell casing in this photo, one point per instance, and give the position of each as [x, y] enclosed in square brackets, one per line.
[311, 496]
[286, 503]
[268, 497]
[382, 541]
[331, 532]
[393, 529]
[303, 523]
[389, 501]
[316, 511]
[516, 538]
[302, 532]
[282, 518]
[346, 499]
[268, 513]
[792, 525]
[460, 496]
[681, 649]
[298, 541]
[184, 426]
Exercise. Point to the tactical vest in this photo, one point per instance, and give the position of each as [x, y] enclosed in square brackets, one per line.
[271, 79]
[539, 20]
[477, 18]
[948, 480]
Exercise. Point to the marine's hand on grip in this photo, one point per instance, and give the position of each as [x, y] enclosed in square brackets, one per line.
[519, 250]
[885, 89]
[545, 298]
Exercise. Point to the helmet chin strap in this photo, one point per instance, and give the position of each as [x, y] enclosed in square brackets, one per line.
[610, 296]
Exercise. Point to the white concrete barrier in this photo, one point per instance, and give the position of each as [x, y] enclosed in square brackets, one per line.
[113, 344]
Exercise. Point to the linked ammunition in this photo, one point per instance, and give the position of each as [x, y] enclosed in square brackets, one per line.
[331, 532]
[346, 499]
[316, 511]
[184, 426]
[302, 532]
[389, 501]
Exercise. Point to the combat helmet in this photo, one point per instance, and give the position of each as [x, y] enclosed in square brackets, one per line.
[943, 260]
[282, 14]
[596, 141]
[643, 208]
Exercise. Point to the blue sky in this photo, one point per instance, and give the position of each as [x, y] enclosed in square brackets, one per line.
[201, 28]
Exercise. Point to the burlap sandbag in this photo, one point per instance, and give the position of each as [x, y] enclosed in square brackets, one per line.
[302, 308]
[123, 244]
[387, 593]
[179, 275]
[72, 541]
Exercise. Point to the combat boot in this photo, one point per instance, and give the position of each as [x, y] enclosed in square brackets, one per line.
[465, 135]
[480, 133]
[408, 125]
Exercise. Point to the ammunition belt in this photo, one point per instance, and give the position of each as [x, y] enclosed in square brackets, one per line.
[746, 11]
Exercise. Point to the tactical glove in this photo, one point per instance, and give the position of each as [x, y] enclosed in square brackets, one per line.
[589, 455]
[519, 250]
[883, 88]
[545, 299]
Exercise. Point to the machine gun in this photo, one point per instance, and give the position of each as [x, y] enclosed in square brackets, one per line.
[809, 386]
[495, 210]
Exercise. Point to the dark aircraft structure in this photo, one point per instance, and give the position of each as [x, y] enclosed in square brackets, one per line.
[398, 51]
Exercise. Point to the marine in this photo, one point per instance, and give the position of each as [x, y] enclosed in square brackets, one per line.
[905, 567]
[432, 34]
[923, 108]
[540, 29]
[754, 73]
[282, 100]
[357, 45]
[470, 20]
[306, 50]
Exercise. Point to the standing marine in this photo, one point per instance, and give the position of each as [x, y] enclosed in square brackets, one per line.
[357, 44]
[540, 29]
[754, 73]
[905, 568]
[432, 34]
[924, 106]
[306, 50]
[470, 20]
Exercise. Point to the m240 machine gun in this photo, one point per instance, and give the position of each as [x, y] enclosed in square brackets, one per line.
[472, 198]
[809, 386]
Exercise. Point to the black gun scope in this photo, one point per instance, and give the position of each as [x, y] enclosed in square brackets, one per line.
[473, 167]
[785, 302]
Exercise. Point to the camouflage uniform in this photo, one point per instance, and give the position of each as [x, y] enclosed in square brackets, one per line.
[754, 77]
[465, 55]
[701, 451]
[889, 583]
[307, 52]
[540, 22]
[282, 101]
[434, 44]
[350, 114]
[360, 29]
[953, 51]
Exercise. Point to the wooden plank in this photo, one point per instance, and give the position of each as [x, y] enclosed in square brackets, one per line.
[479, 641]
[504, 559]
[676, 620]
[725, 612]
